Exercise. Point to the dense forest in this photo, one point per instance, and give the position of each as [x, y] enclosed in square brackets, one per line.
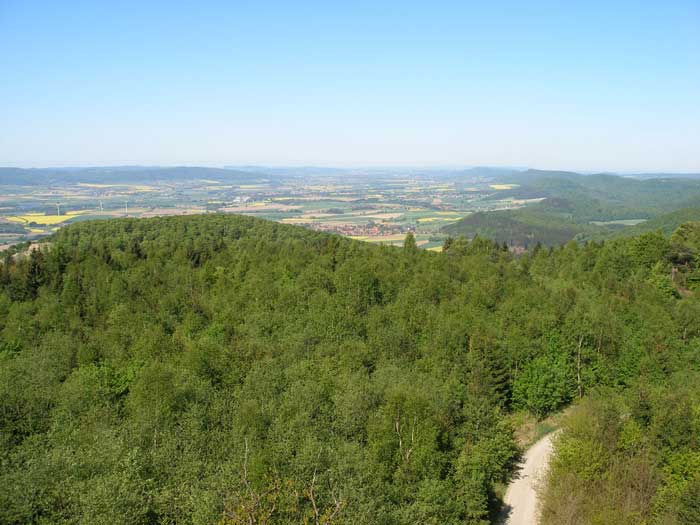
[223, 369]
[524, 227]
[554, 221]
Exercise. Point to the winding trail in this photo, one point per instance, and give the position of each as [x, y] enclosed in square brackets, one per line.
[520, 501]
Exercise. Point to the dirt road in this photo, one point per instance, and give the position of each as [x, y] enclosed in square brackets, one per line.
[521, 497]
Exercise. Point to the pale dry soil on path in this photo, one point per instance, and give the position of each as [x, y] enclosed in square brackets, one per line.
[521, 499]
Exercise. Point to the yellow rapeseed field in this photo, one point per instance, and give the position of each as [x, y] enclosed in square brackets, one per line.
[40, 218]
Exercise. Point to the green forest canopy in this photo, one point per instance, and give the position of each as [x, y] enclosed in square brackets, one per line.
[227, 369]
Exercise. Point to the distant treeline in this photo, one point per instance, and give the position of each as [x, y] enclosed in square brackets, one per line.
[122, 175]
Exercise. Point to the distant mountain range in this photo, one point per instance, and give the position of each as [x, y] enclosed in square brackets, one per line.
[122, 174]
[248, 173]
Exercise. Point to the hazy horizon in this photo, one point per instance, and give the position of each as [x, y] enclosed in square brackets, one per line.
[359, 166]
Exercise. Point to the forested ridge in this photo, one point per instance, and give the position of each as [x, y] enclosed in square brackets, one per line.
[224, 369]
[572, 206]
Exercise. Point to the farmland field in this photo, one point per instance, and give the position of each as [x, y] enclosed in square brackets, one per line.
[375, 208]
[372, 205]
[41, 219]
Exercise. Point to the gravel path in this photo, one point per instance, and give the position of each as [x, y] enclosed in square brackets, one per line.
[520, 501]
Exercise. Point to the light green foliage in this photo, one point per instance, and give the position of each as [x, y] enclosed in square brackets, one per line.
[649, 249]
[545, 385]
[687, 235]
[661, 279]
[630, 457]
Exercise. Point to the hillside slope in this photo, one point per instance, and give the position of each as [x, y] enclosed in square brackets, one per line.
[666, 223]
[582, 207]
[524, 227]
[227, 369]
[613, 196]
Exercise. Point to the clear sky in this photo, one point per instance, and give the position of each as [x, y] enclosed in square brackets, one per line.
[589, 85]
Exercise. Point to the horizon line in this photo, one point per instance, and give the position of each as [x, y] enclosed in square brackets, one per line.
[449, 167]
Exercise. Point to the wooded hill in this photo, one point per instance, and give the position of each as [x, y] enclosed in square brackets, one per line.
[581, 207]
[223, 369]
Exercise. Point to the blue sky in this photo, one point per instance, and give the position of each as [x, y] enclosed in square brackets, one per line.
[572, 85]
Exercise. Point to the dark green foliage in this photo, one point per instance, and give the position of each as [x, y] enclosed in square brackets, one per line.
[525, 227]
[226, 369]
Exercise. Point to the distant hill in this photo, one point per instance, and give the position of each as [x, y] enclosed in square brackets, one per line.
[576, 206]
[369, 171]
[548, 223]
[607, 197]
[122, 174]
[666, 175]
[666, 223]
[470, 173]
[291, 171]
[550, 183]
[504, 226]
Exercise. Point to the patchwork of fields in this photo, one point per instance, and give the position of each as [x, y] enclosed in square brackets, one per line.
[518, 208]
[371, 208]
